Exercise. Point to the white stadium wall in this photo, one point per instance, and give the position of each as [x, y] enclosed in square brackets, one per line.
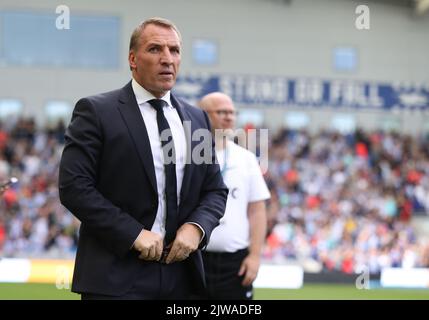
[255, 37]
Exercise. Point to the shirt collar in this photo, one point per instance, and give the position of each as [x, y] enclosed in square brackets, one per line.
[143, 96]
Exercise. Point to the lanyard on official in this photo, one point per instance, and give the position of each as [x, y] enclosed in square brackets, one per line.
[225, 161]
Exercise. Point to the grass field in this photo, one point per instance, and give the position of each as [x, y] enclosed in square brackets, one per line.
[12, 291]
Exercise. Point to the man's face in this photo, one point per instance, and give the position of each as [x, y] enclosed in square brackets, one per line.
[221, 113]
[156, 61]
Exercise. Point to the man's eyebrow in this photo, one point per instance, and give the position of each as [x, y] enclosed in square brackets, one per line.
[154, 44]
[161, 44]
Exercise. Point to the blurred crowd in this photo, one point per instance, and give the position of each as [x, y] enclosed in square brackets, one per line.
[32, 221]
[338, 202]
[345, 202]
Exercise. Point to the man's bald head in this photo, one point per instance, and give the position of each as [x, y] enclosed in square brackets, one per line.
[213, 99]
[220, 109]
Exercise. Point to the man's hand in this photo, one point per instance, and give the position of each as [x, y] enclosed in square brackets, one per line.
[249, 268]
[187, 240]
[149, 244]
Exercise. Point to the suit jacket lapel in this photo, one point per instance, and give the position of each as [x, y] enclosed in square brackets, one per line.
[133, 119]
[186, 121]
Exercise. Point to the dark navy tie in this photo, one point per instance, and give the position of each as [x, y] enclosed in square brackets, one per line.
[170, 170]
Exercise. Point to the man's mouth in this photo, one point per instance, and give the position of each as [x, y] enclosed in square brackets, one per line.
[166, 73]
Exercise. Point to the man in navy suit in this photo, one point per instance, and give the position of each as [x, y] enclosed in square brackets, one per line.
[129, 174]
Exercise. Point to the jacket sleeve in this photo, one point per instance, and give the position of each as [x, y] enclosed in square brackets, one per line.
[213, 196]
[77, 183]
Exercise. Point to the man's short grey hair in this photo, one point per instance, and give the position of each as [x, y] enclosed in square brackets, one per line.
[135, 36]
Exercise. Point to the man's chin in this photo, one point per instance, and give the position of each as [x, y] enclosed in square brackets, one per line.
[167, 85]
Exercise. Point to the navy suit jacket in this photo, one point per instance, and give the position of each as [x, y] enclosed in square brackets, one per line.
[107, 180]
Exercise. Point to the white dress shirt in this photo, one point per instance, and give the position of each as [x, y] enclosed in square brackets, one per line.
[242, 175]
[179, 138]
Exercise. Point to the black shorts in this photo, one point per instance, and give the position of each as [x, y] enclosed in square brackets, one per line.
[222, 278]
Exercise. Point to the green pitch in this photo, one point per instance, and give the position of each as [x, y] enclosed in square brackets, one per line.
[341, 292]
[326, 291]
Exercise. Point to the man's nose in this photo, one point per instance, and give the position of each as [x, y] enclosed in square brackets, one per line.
[228, 118]
[166, 57]
[230, 115]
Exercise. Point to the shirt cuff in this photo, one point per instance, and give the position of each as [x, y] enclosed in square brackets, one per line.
[201, 228]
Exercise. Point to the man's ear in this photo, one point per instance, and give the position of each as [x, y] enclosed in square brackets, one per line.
[132, 60]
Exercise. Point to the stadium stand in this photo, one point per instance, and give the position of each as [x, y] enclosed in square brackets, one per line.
[345, 202]
[32, 222]
[339, 202]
